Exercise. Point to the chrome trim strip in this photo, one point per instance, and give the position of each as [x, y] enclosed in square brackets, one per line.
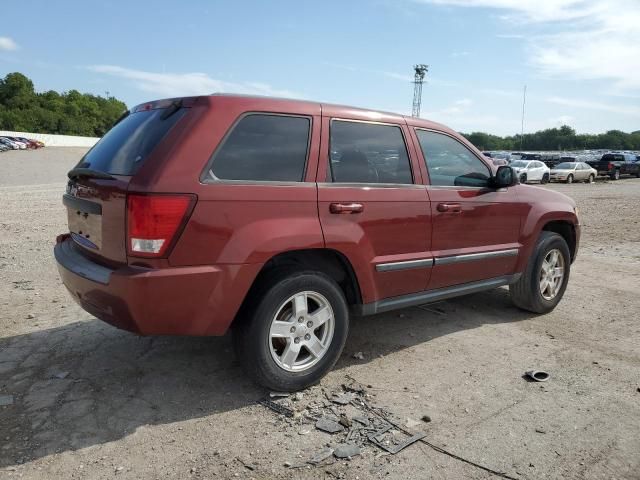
[395, 266]
[472, 257]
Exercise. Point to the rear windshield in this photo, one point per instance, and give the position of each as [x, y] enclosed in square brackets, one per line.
[566, 166]
[609, 157]
[125, 147]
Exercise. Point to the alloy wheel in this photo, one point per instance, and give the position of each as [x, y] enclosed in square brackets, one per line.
[551, 274]
[301, 331]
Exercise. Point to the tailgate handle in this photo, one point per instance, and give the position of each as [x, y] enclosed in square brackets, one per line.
[346, 208]
[449, 207]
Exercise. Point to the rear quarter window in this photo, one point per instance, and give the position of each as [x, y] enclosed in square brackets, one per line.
[263, 147]
[124, 148]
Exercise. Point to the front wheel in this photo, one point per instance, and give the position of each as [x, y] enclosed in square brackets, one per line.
[542, 285]
[293, 331]
[523, 178]
[591, 178]
[545, 178]
[570, 179]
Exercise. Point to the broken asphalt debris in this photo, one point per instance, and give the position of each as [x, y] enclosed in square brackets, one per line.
[329, 425]
[354, 423]
[6, 400]
[538, 375]
[358, 356]
[346, 450]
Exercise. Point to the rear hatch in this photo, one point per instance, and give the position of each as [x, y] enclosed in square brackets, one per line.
[96, 194]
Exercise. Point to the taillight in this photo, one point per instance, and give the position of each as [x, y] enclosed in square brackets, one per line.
[610, 166]
[154, 221]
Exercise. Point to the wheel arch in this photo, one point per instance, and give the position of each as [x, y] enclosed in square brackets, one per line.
[566, 230]
[327, 261]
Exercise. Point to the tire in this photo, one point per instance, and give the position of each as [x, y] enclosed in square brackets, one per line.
[259, 353]
[526, 292]
[545, 179]
[591, 178]
[523, 178]
[615, 175]
[569, 179]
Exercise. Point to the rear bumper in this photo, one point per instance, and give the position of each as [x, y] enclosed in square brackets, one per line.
[194, 300]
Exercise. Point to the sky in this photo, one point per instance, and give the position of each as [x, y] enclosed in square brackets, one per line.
[579, 59]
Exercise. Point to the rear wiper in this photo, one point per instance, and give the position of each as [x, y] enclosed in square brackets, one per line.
[88, 173]
[173, 108]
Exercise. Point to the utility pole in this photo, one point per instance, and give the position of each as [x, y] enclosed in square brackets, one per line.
[420, 71]
[524, 100]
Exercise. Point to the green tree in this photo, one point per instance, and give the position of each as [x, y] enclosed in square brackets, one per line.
[70, 113]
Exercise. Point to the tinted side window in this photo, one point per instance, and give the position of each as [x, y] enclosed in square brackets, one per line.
[368, 153]
[264, 147]
[450, 163]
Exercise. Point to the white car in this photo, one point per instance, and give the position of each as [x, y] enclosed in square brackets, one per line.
[531, 171]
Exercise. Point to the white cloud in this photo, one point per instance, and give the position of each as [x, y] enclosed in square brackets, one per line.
[590, 105]
[596, 39]
[460, 54]
[182, 84]
[8, 44]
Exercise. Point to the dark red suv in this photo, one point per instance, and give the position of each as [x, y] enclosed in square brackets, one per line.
[280, 218]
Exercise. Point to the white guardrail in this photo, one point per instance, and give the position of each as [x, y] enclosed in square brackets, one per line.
[54, 140]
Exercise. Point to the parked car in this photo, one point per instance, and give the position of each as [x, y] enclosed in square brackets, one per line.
[499, 161]
[569, 172]
[4, 148]
[531, 171]
[615, 165]
[10, 143]
[303, 215]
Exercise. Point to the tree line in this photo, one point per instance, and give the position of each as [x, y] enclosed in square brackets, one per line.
[563, 138]
[22, 109]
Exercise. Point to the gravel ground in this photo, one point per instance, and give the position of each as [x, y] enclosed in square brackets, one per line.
[89, 401]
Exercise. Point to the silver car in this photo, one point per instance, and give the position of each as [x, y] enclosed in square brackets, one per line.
[570, 172]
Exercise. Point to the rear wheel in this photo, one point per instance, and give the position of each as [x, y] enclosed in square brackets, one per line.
[293, 331]
[615, 175]
[543, 283]
[545, 178]
[569, 179]
[523, 178]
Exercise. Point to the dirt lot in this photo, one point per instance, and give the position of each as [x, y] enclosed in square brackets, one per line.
[89, 401]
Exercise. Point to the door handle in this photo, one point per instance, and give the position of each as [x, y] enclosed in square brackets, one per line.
[346, 208]
[449, 207]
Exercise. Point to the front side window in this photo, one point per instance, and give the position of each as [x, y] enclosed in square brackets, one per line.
[263, 147]
[450, 163]
[368, 153]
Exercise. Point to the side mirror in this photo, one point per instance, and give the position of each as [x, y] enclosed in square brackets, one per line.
[504, 177]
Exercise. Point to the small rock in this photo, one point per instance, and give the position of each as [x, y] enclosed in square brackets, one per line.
[306, 430]
[344, 398]
[119, 469]
[539, 430]
[344, 421]
[298, 396]
[30, 316]
[358, 356]
[287, 464]
[193, 470]
[61, 375]
[6, 400]
[426, 418]
[345, 450]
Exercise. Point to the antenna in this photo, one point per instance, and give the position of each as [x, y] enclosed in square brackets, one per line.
[524, 100]
[420, 71]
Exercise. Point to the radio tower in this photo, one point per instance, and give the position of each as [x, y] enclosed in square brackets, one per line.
[420, 70]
